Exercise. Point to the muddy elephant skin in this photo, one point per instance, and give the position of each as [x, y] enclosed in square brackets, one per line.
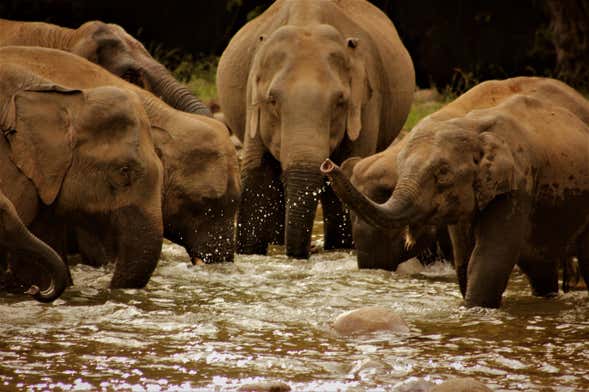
[376, 177]
[503, 165]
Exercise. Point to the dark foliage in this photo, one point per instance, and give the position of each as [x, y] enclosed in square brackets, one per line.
[453, 43]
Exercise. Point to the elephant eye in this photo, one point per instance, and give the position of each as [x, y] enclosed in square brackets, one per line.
[341, 100]
[443, 176]
[122, 176]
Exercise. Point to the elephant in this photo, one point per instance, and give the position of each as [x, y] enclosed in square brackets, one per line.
[503, 166]
[61, 167]
[201, 188]
[376, 177]
[111, 47]
[16, 239]
[303, 81]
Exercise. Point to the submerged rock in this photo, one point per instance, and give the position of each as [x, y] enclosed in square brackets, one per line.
[413, 386]
[410, 267]
[461, 385]
[369, 319]
[265, 387]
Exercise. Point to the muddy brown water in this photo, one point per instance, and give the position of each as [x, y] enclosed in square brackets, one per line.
[266, 318]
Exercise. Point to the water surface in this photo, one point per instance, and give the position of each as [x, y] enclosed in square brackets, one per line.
[266, 318]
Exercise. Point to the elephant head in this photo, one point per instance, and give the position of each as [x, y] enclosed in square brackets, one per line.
[201, 187]
[305, 94]
[91, 158]
[447, 171]
[20, 242]
[376, 177]
[110, 46]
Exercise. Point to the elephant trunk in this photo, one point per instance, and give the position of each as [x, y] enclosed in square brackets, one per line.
[397, 212]
[165, 86]
[303, 184]
[139, 245]
[52, 262]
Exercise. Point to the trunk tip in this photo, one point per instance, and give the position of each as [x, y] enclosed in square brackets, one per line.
[327, 166]
[33, 290]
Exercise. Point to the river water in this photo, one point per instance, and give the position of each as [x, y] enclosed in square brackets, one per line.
[266, 318]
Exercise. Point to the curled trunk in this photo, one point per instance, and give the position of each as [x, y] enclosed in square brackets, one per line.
[174, 93]
[33, 263]
[49, 261]
[303, 184]
[393, 214]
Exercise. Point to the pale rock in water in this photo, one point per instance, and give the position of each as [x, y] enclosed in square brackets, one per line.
[461, 385]
[410, 267]
[369, 319]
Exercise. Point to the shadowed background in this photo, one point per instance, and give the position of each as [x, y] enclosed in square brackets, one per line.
[454, 44]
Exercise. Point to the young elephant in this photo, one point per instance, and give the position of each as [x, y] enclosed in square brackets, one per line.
[504, 177]
[376, 177]
[59, 166]
[18, 241]
[110, 46]
[201, 188]
[304, 81]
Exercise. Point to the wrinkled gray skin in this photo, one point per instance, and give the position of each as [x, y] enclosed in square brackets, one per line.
[18, 242]
[201, 187]
[307, 80]
[61, 168]
[503, 165]
[376, 177]
[110, 46]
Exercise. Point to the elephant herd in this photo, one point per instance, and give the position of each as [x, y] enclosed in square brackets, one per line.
[105, 154]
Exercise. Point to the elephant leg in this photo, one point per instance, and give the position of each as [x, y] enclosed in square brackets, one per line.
[583, 257]
[543, 276]
[499, 233]
[336, 220]
[93, 252]
[262, 204]
[462, 245]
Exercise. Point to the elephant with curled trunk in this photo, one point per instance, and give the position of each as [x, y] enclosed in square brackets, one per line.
[60, 165]
[110, 46]
[376, 177]
[506, 165]
[304, 81]
[201, 188]
[16, 240]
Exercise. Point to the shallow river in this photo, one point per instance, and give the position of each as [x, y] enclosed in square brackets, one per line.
[217, 327]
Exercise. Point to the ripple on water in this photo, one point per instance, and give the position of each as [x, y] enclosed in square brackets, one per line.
[267, 318]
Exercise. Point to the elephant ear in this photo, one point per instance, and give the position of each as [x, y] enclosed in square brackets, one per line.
[498, 171]
[41, 136]
[358, 90]
[348, 166]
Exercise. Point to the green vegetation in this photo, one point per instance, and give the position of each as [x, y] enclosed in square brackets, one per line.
[419, 110]
[197, 74]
